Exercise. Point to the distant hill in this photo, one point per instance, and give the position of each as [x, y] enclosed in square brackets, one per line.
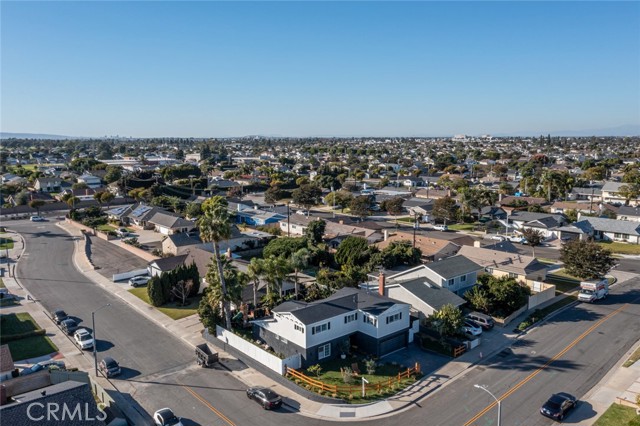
[7, 135]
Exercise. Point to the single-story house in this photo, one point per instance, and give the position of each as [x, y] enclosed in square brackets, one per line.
[547, 223]
[629, 213]
[432, 248]
[91, 180]
[611, 194]
[255, 217]
[498, 263]
[168, 223]
[603, 229]
[119, 213]
[419, 207]
[165, 264]
[350, 317]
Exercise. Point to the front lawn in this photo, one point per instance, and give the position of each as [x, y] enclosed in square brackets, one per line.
[105, 228]
[6, 243]
[462, 227]
[540, 314]
[563, 281]
[385, 374]
[617, 415]
[172, 309]
[2, 284]
[20, 332]
[621, 248]
[632, 359]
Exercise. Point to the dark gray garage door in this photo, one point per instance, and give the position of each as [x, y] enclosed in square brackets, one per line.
[392, 344]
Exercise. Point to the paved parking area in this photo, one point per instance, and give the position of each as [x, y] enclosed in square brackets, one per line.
[113, 260]
[429, 361]
[145, 236]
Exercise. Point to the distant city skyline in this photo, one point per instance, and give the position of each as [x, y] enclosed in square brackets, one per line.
[296, 69]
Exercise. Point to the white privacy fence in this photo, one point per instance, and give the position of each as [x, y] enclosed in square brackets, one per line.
[263, 357]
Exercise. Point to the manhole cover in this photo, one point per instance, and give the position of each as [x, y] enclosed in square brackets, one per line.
[347, 414]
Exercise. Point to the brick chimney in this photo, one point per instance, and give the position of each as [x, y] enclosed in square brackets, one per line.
[382, 280]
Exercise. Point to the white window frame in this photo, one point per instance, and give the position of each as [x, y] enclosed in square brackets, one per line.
[324, 351]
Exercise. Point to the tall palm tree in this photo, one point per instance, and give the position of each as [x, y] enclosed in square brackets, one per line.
[215, 226]
[299, 261]
[255, 270]
[275, 270]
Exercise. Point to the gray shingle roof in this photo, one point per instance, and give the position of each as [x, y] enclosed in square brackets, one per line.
[341, 302]
[70, 393]
[629, 211]
[453, 266]
[523, 216]
[431, 294]
[169, 220]
[613, 225]
[166, 264]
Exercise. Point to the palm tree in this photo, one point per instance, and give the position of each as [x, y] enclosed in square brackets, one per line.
[215, 226]
[275, 270]
[299, 261]
[255, 270]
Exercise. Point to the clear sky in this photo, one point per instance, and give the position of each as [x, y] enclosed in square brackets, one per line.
[222, 69]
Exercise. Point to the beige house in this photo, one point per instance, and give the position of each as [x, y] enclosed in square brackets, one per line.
[499, 264]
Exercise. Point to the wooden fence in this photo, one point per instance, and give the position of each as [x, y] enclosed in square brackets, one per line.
[319, 385]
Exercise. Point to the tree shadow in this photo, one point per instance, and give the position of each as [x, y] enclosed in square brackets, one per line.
[508, 360]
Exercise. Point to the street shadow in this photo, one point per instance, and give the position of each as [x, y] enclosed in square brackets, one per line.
[290, 405]
[583, 411]
[191, 386]
[103, 345]
[126, 373]
[188, 422]
[508, 360]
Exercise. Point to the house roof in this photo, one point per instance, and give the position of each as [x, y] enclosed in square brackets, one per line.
[431, 294]
[6, 361]
[524, 216]
[610, 186]
[201, 258]
[119, 211]
[70, 393]
[503, 261]
[629, 211]
[544, 223]
[425, 203]
[170, 220]
[428, 246]
[182, 239]
[613, 225]
[166, 264]
[453, 266]
[341, 302]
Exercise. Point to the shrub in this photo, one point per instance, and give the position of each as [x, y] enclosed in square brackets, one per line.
[347, 374]
[315, 369]
[13, 337]
[370, 364]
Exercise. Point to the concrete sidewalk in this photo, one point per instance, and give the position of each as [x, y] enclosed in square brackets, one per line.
[190, 330]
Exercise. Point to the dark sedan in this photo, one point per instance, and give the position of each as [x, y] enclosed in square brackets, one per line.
[265, 397]
[558, 406]
[59, 316]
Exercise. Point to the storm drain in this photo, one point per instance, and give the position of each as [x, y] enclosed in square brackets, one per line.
[347, 413]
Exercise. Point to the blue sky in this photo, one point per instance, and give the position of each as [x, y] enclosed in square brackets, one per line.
[318, 68]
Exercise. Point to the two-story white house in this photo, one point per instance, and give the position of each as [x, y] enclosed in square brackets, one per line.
[91, 180]
[321, 330]
[457, 274]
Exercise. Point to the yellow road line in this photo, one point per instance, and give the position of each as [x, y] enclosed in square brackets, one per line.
[209, 406]
[535, 373]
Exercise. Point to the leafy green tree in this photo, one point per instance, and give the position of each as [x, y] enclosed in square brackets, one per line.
[36, 204]
[215, 226]
[444, 209]
[395, 254]
[341, 199]
[275, 269]
[255, 270]
[393, 206]
[315, 231]
[307, 195]
[299, 261]
[114, 173]
[234, 280]
[193, 210]
[354, 251]
[79, 185]
[479, 299]
[209, 312]
[630, 191]
[106, 198]
[534, 238]
[586, 259]
[448, 320]
[273, 194]
[284, 247]
[361, 206]
[506, 295]
[572, 215]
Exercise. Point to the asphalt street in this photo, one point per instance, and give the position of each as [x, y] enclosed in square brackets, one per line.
[570, 353]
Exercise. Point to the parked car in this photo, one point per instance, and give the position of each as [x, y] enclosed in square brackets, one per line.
[69, 326]
[441, 227]
[122, 232]
[497, 237]
[35, 218]
[517, 239]
[165, 417]
[265, 397]
[52, 363]
[139, 280]
[109, 367]
[472, 327]
[83, 338]
[59, 316]
[558, 406]
[485, 321]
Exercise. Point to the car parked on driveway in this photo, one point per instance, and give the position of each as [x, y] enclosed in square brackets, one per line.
[497, 237]
[69, 326]
[109, 367]
[472, 327]
[51, 363]
[139, 281]
[165, 417]
[441, 227]
[265, 397]
[59, 315]
[122, 232]
[83, 338]
[484, 321]
[517, 239]
[558, 406]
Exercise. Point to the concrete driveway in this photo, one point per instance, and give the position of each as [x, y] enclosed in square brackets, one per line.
[429, 361]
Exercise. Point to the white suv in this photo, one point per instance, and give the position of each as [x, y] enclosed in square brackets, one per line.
[83, 338]
[139, 280]
[441, 227]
